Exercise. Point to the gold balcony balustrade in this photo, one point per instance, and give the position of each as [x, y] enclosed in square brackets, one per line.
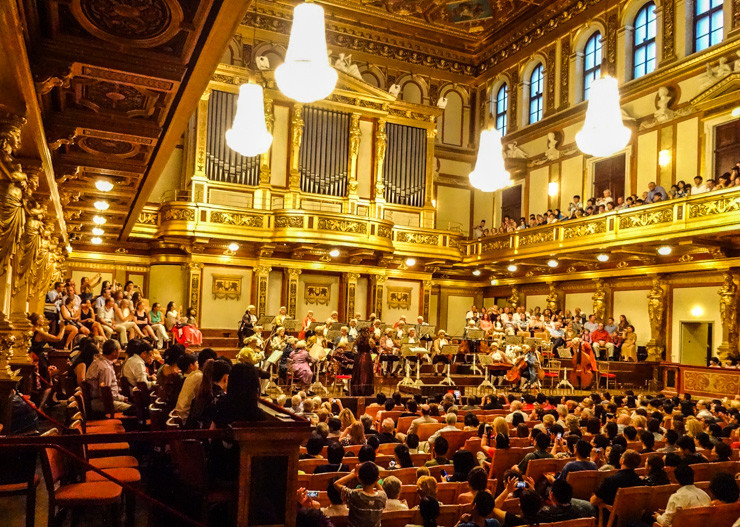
[711, 215]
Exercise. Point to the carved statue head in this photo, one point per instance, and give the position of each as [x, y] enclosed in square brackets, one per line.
[10, 132]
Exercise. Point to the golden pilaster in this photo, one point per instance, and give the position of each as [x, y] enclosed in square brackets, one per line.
[656, 312]
[350, 279]
[426, 299]
[728, 303]
[195, 277]
[296, 137]
[291, 286]
[198, 180]
[381, 143]
[514, 298]
[377, 284]
[262, 276]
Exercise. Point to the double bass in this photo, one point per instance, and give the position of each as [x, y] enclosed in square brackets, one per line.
[583, 371]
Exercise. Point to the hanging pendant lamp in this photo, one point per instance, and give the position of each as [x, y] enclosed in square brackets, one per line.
[306, 75]
[248, 135]
[490, 174]
[603, 133]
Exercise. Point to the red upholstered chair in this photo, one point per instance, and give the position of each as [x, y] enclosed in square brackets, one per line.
[75, 496]
[18, 478]
[121, 461]
[604, 375]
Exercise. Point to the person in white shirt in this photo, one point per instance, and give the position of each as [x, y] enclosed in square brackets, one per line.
[193, 378]
[353, 328]
[686, 497]
[606, 199]
[516, 407]
[451, 421]
[134, 369]
[392, 489]
[699, 187]
[106, 316]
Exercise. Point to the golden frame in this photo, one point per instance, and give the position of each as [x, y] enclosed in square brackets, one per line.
[226, 286]
[317, 293]
[399, 297]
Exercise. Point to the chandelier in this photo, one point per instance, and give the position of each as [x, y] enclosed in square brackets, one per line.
[490, 174]
[248, 135]
[306, 75]
[603, 133]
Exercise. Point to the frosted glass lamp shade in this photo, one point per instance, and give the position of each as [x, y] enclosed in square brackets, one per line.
[603, 132]
[248, 134]
[306, 75]
[490, 174]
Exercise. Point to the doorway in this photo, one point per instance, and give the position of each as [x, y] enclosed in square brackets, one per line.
[696, 343]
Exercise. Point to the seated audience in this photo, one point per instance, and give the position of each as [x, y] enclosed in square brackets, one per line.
[685, 497]
[392, 489]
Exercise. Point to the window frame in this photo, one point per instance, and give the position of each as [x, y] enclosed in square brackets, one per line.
[708, 15]
[647, 44]
[498, 113]
[538, 97]
[592, 73]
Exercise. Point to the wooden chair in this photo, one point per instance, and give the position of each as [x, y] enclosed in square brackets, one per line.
[436, 470]
[473, 444]
[585, 482]
[95, 450]
[420, 458]
[520, 442]
[512, 505]
[552, 372]
[115, 461]
[385, 414]
[659, 495]
[410, 494]
[387, 448]
[503, 461]
[74, 496]
[404, 423]
[706, 471]
[18, 478]
[580, 522]
[717, 516]
[448, 516]
[397, 518]
[629, 505]
[406, 475]
[447, 492]
[604, 375]
[321, 481]
[455, 440]
[536, 468]
[309, 465]
[426, 430]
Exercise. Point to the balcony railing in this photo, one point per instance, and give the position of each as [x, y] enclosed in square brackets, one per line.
[710, 213]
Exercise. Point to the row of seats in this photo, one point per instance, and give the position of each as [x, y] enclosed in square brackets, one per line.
[448, 517]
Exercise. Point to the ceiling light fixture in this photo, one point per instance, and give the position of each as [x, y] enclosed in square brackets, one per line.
[96, 240]
[69, 248]
[494, 281]
[306, 75]
[97, 231]
[334, 253]
[99, 220]
[512, 268]
[736, 111]
[101, 205]
[476, 272]
[602, 257]
[233, 247]
[490, 173]
[603, 132]
[665, 250]
[552, 263]
[410, 262]
[248, 134]
[104, 185]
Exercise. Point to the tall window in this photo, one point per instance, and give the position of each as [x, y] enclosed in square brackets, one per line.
[502, 105]
[708, 20]
[643, 54]
[591, 62]
[536, 87]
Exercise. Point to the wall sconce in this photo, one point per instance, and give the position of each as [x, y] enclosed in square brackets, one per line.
[664, 158]
[553, 189]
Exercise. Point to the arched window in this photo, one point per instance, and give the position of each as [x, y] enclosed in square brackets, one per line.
[591, 62]
[502, 106]
[708, 22]
[536, 87]
[643, 53]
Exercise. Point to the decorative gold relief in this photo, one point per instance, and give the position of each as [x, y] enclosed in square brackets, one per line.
[504, 243]
[195, 292]
[417, 238]
[355, 227]
[294, 222]
[599, 302]
[227, 287]
[564, 70]
[711, 383]
[669, 44]
[291, 276]
[317, 293]
[241, 220]
[399, 297]
[380, 148]
[584, 229]
[642, 219]
[718, 205]
[539, 237]
[178, 215]
[148, 218]
[514, 298]
[385, 232]
[728, 304]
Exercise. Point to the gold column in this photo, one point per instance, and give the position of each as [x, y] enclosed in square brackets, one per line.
[667, 10]
[426, 298]
[728, 303]
[381, 144]
[600, 300]
[428, 214]
[262, 196]
[656, 312]
[350, 279]
[377, 284]
[262, 275]
[291, 286]
[354, 152]
[296, 137]
[195, 277]
[199, 181]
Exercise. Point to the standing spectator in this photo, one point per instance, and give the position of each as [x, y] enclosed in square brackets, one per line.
[365, 504]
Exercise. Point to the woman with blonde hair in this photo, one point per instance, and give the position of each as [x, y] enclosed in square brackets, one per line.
[347, 418]
[426, 486]
[353, 435]
[500, 426]
[693, 427]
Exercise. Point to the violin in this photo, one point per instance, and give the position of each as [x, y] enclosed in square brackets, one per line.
[583, 373]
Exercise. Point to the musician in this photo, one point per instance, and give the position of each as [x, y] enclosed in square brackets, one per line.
[420, 321]
[258, 336]
[279, 340]
[557, 336]
[280, 317]
[246, 328]
[251, 353]
[437, 354]
[400, 321]
[342, 353]
[579, 347]
[352, 331]
[388, 350]
[333, 319]
[344, 339]
[412, 340]
[319, 337]
[470, 326]
[529, 375]
[399, 330]
[376, 332]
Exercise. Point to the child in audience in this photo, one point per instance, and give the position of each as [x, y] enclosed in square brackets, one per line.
[365, 504]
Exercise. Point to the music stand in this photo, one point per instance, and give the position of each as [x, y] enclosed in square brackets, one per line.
[362, 324]
[407, 351]
[486, 387]
[426, 331]
[272, 387]
[292, 325]
[336, 326]
[407, 380]
[331, 335]
[475, 334]
[449, 349]
[313, 325]
[564, 353]
[266, 322]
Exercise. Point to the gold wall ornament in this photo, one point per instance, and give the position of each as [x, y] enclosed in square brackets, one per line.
[728, 305]
[656, 312]
[296, 137]
[547, 235]
[599, 301]
[6, 355]
[417, 238]
[384, 232]
[669, 40]
[513, 117]
[227, 287]
[256, 221]
[513, 300]
[643, 219]
[354, 151]
[350, 280]
[710, 383]
[11, 124]
[381, 138]
[584, 229]
[377, 283]
[550, 69]
[148, 218]
[329, 224]
[553, 299]
[716, 205]
[426, 298]
[262, 274]
[494, 245]
[293, 222]
[178, 214]
[12, 216]
[564, 71]
[399, 297]
[291, 278]
[317, 293]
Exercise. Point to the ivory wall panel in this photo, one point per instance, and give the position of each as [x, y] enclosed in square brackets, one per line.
[274, 292]
[392, 315]
[571, 182]
[365, 160]
[453, 208]
[633, 305]
[533, 301]
[279, 152]
[321, 311]
[168, 283]
[433, 306]
[647, 160]
[694, 304]
[582, 300]
[687, 150]
[538, 197]
[457, 306]
[221, 313]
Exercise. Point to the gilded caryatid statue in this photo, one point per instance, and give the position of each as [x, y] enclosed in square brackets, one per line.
[728, 299]
[656, 312]
[12, 216]
[514, 298]
[553, 299]
[599, 300]
[10, 135]
[354, 151]
[381, 140]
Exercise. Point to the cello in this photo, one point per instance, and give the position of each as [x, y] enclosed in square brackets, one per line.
[583, 371]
